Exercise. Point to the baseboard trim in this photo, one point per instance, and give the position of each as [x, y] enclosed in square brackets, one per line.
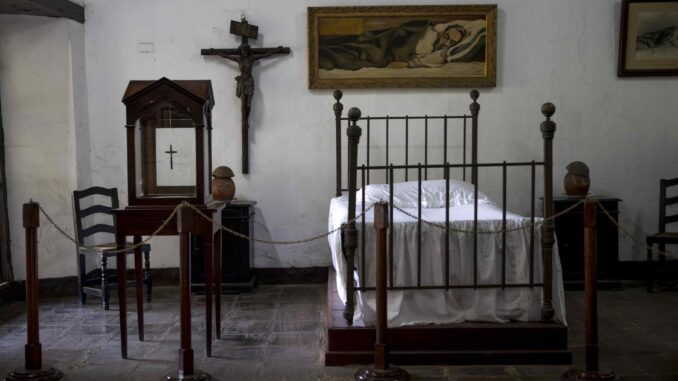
[292, 275]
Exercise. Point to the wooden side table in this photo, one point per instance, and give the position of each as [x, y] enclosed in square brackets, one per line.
[237, 254]
[143, 220]
[570, 237]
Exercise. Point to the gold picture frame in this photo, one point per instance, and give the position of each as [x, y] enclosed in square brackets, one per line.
[648, 38]
[402, 46]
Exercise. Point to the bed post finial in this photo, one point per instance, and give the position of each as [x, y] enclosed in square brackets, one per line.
[548, 131]
[354, 114]
[338, 108]
[548, 109]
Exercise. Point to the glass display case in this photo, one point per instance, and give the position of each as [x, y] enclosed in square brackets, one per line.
[169, 141]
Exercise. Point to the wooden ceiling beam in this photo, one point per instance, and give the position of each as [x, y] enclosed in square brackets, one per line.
[49, 8]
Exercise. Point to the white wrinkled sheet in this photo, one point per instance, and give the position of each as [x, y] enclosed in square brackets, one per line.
[453, 306]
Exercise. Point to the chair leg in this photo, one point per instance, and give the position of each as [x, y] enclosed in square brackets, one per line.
[81, 279]
[661, 276]
[105, 293]
[148, 282]
[650, 278]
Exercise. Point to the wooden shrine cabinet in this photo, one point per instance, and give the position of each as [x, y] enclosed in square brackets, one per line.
[237, 254]
[169, 142]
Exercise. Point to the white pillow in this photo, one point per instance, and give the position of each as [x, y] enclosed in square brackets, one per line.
[405, 195]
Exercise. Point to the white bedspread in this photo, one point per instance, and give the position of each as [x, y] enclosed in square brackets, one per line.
[458, 305]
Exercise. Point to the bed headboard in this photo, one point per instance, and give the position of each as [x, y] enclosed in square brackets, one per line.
[385, 125]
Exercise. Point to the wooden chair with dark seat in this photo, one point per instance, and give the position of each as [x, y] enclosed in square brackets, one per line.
[95, 228]
[663, 237]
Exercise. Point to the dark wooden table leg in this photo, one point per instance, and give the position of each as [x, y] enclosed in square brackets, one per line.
[186, 369]
[208, 242]
[122, 297]
[139, 287]
[217, 281]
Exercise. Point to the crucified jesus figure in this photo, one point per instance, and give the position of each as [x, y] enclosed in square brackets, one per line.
[245, 82]
[245, 56]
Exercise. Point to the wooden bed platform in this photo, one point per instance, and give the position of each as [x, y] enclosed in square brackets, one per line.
[453, 344]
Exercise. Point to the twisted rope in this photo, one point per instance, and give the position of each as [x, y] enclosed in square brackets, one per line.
[323, 235]
[116, 251]
[636, 240]
[293, 242]
[489, 232]
[200, 213]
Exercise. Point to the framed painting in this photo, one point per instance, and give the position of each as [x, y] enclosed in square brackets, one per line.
[648, 38]
[402, 46]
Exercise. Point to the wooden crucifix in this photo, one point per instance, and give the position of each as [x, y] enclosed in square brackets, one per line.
[245, 56]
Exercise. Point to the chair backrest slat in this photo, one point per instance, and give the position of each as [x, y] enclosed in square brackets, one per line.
[79, 213]
[671, 200]
[94, 209]
[671, 219]
[98, 228]
[665, 202]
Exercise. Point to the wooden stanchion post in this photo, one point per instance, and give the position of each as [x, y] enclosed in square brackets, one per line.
[186, 369]
[33, 368]
[382, 371]
[592, 371]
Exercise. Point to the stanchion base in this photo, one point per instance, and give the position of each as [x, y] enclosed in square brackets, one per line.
[46, 373]
[574, 375]
[390, 374]
[198, 375]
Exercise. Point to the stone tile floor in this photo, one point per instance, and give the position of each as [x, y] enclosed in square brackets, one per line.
[275, 333]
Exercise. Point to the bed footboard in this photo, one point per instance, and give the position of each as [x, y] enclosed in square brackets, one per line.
[349, 234]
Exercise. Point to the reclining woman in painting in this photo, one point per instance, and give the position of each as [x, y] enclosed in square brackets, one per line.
[416, 43]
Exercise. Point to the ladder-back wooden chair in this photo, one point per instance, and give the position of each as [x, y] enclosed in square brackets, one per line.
[667, 215]
[95, 227]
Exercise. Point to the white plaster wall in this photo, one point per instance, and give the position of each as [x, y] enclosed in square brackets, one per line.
[65, 130]
[41, 73]
[559, 51]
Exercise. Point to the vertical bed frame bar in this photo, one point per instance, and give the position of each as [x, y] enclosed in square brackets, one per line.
[425, 148]
[447, 221]
[338, 108]
[390, 230]
[503, 226]
[387, 145]
[445, 142]
[548, 130]
[418, 225]
[350, 232]
[367, 150]
[463, 177]
[475, 109]
[362, 231]
[407, 147]
[532, 238]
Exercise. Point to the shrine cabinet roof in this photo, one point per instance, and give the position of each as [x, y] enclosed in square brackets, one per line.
[199, 89]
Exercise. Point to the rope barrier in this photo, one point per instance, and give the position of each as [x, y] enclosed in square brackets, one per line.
[629, 235]
[200, 213]
[116, 251]
[489, 232]
[243, 236]
[323, 235]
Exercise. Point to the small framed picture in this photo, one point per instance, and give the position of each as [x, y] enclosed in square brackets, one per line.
[402, 46]
[648, 39]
